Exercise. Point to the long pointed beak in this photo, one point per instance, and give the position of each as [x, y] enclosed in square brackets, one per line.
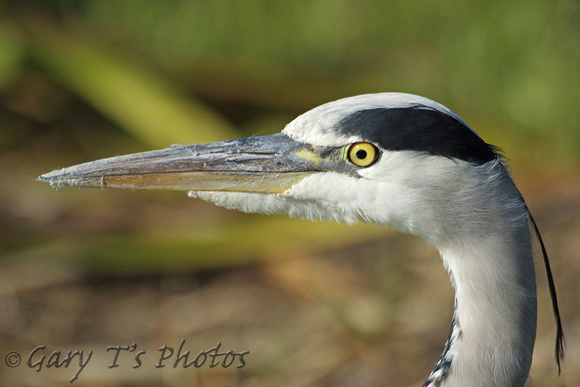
[266, 164]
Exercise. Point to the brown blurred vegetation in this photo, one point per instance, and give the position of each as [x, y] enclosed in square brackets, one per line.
[316, 304]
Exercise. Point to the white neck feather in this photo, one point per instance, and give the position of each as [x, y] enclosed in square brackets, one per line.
[492, 271]
[495, 312]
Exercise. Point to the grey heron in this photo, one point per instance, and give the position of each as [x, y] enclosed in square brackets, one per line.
[392, 159]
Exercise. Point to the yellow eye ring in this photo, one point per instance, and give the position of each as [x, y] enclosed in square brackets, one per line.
[363, 154]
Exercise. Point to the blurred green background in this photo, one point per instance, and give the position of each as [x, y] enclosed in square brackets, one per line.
[81, 80]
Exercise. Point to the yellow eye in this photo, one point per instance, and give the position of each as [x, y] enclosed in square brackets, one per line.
[363, 154]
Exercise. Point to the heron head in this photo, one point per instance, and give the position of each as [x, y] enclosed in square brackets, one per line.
[373, 158]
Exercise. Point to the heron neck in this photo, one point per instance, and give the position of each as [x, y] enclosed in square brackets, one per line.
[494, 324]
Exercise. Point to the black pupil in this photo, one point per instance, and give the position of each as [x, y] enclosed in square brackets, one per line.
[361, 154]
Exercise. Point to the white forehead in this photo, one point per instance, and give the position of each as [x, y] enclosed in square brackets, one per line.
[317, 126]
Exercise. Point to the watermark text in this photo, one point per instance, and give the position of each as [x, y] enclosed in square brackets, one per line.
[40, 357]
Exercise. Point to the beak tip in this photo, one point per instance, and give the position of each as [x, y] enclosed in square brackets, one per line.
[57, 179]
[45, 178]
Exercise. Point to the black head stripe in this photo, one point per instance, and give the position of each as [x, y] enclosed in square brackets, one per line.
[418, 128]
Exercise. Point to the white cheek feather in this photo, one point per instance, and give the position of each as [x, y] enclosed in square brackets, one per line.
[390, 193]
[329, 196]
[252, 203]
